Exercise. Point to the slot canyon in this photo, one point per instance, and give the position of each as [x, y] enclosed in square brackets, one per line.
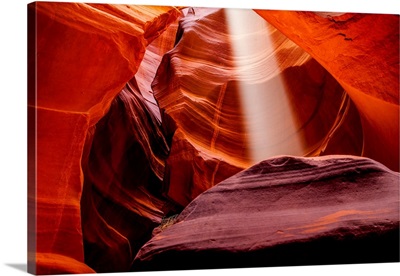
[191, 138]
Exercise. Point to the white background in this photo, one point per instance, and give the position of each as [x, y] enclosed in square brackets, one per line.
[13, 149]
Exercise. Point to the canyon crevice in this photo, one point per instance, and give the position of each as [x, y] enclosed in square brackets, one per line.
[264, 133]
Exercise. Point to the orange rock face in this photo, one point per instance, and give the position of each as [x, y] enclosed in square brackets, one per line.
[362, 52]
[191, 171]
[123, 172]
[285, 104]
[136, 111]
[81, 56]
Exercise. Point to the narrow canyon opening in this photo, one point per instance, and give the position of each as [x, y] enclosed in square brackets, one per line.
[175, 138]
[229, 92]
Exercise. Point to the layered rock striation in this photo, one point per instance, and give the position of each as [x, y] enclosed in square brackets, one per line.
[286, 211]
[136, 112]
[123, 174]
[242, 94]
[80, 58]
[362, 52]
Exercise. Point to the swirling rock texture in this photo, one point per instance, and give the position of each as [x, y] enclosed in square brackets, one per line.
[286, 211]
[265, 99]
[124, 164]
[81, 56]
[136, 112]
[124, 169]
[362, 52]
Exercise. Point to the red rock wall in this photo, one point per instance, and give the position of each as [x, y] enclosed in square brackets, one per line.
[107, 164]
[362, 52]
[182, 88]
[190, 171]
[202, 83]
[83, 54]
[123, 171]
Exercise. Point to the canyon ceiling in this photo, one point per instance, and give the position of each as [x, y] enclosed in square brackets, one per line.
[258, 135]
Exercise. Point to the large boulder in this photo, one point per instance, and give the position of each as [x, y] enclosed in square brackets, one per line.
[286, 211]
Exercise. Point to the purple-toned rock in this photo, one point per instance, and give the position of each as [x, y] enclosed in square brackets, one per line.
[286, 211]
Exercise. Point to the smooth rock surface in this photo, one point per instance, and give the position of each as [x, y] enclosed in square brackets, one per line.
[80, 57]
[190, 171]
[248, 93]
[107, 165]
[244, 93]
[123, 170]
[361, 51]
[286, 211]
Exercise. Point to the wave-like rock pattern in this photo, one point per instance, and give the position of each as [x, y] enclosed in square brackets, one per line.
[190, 171]
[150, 63]
[98, 38]
[123, 172]
[286, 211]
[218, 66]
[362, 52]
[192, 80]
[126, 154]
[107, 164]
[80, 57]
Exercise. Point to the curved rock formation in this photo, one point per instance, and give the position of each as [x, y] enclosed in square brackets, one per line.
[362, 52]
[89, 56]
[60, 264]
[149, 65]
[125, 165]
[243, 93]
[133, 115]
[81, 56]
[124, 169]
[286, 211]
[191, 171]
